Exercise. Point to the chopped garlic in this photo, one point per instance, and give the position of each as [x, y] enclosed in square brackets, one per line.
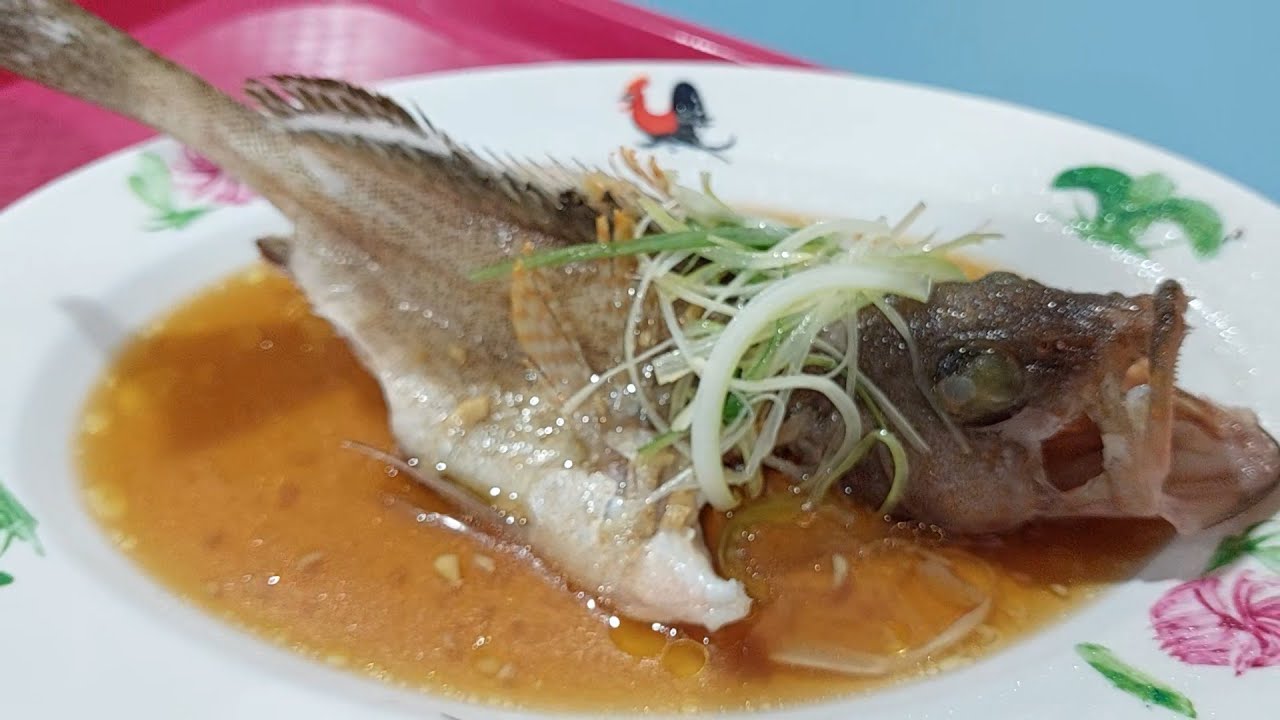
[839, 570]
[448, 567]
[485, 563]
[681, 510]
[457, 354]
[308, 561]
[469, 412]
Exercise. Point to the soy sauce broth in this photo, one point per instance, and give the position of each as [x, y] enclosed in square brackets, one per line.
[212, 453]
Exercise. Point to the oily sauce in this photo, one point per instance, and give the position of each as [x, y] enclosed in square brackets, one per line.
[213, 454]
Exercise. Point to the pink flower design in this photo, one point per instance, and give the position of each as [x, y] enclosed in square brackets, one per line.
[1203, 622]
[201, 178]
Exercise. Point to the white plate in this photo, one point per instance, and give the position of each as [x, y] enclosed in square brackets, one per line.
[83, 632]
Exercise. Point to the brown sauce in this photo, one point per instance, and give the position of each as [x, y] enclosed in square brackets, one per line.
[212, 454]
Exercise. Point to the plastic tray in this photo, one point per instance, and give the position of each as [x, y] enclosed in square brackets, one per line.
[44, 134]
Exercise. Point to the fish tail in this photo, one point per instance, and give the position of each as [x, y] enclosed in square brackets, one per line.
[60, 45]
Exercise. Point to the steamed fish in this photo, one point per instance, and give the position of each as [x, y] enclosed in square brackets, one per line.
[1034, 402]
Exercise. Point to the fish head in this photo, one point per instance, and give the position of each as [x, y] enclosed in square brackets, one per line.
[1039, 402]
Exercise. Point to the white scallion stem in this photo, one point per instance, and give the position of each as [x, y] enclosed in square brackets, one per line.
[755, 317]
[822, 228]
[579, 397]
[894, 415]
[906, 221]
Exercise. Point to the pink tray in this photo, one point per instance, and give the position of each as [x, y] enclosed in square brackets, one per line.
[44, 134]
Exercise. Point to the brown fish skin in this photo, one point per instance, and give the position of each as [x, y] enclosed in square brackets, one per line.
[390, 219]
[1066, 406]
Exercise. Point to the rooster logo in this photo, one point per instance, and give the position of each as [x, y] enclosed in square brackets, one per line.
[678, 126]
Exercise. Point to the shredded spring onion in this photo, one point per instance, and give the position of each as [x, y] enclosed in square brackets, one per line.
[748, 307]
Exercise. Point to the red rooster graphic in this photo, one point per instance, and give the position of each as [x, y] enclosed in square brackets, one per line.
[677, 126]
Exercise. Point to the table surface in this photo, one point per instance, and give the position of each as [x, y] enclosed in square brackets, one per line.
[1200, 79]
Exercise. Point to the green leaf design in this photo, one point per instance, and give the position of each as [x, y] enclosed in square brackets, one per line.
[1134, 681]
[1233, 547]
[1199, 222]
[1151, 188]
[177, 219]
[1269, 556]
[5, 579]
[16, 523]
[152, 182]
[1111, 187]
[1127, 207]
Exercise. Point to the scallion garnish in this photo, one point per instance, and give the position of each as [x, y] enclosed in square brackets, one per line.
[747, 307]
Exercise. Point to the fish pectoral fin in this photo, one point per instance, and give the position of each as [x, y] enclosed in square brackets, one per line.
[545, 336]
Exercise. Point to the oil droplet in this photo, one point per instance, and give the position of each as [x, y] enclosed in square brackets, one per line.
[684, 658]
[637, 639]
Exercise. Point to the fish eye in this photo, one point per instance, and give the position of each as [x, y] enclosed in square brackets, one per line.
[980, 385]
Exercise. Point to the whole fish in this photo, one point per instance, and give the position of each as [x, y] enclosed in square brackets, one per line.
[1034, 402]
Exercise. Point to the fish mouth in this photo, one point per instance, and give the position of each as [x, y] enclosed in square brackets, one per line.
[1144, 448]
[1077, 453]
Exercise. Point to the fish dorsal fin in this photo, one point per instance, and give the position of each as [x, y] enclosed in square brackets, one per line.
[552, 197]
[327, 98]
